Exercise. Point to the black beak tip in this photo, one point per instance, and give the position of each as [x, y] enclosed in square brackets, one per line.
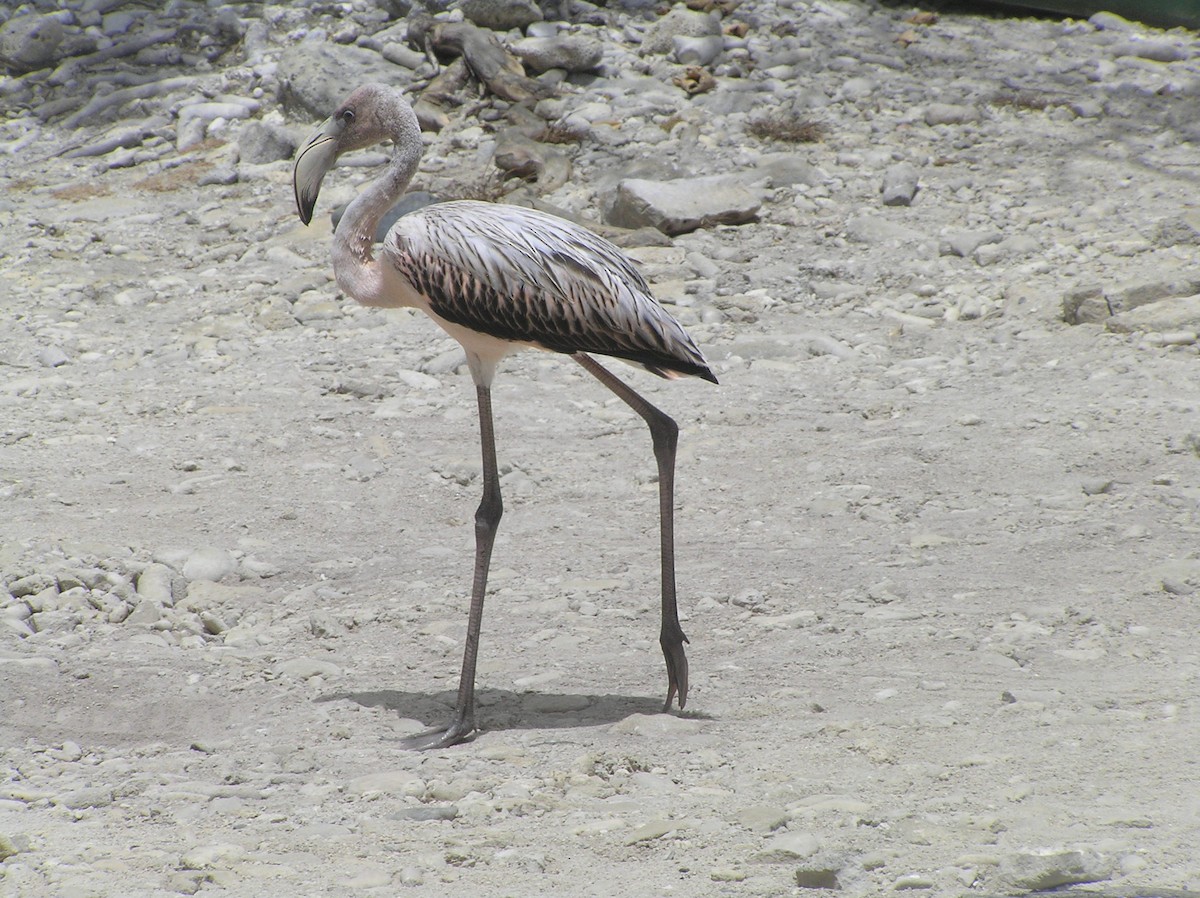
[305, 211]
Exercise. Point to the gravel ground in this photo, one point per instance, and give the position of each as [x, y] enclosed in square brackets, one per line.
[937, 527]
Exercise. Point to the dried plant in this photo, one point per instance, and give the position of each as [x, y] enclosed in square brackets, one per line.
[559, 132]
[786, 127]
[79, 192]
[1025, 99]
[186, 174]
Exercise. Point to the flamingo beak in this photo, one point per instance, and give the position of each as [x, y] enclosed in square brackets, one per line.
[317, 158]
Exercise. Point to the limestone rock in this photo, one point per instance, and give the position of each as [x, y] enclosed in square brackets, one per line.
[679, 22]
[195, 119]
[1160, 50]
[29, 43]
[1139, 293]
[869, 228]
[154, 584]
[1039, 872]
[1085, 304]
[1179, 313]
[702, 50]
[313, 76]
[950, 114]
[683, 205]
[964, 243]
[900, 185]
[1013, 247]
[8, 847]
[209, 563]
[501, 15]
[261, 142]
[812, 875]
[788, 846]
[563, 51]
[789, 169]
[518, 156]
[1181, 229]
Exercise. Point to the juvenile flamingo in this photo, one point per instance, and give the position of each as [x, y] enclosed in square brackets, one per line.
[499, 278]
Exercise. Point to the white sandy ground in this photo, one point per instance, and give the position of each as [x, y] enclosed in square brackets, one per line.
[938, 575]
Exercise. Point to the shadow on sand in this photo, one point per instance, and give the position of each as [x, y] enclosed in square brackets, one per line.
[498, 710]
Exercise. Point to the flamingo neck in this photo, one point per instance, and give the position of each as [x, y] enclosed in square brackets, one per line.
[354, 265]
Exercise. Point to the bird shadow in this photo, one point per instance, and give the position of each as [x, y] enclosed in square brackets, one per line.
[498, 710]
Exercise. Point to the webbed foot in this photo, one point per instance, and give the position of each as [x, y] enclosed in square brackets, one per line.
[677, 667]
[460, 729]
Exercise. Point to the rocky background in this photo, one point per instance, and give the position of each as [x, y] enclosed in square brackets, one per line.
[938, 526]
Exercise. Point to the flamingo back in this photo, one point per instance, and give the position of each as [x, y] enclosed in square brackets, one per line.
[522, 275]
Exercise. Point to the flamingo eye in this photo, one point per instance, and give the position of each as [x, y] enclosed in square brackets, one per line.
[348, 116]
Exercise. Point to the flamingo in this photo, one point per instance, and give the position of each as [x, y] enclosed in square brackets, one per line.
[499, 278]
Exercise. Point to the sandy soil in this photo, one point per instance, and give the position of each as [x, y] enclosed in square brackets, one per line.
[938, 570]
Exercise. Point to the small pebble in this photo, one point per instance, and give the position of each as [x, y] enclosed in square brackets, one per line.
[52, 357]
[426, 812]
[372, 878]
[817, 877]
[1177, 587]
[209, 564]
[697, 50]
[657, 725]
[204, 857]
[70, 751]
[788, 846]
[90, 797]
[146, 612]
[912, 881]
[950, 114]
[8, 847]
[307, 668]
[402, 782]
[900, 185]
[411, 876]
[154, 584]
[763, 818]
[726, 874]
[648, 832]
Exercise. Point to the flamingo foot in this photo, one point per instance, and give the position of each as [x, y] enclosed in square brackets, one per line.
[461, 728]
[677, 667]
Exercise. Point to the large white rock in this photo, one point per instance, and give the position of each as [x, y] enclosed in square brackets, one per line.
[679, 22]
[29, 43]
[683, 205]
[1178, 313]
[562, 51]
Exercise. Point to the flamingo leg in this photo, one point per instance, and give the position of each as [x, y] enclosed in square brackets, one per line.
[664, 433]
[487, 519]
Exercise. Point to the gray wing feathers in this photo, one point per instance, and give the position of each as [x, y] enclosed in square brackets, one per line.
[522, 275]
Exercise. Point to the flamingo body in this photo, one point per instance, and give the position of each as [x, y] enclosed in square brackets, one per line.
[532, 279]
